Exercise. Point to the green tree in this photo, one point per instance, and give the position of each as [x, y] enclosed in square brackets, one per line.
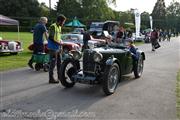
[145, 20]
[173, 16]
[126, 16]
[174, 9]
[86, 9]
[70, 8]
[44, 10]
[20, 8]
[159, 14]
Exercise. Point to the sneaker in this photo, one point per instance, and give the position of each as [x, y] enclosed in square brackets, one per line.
[30, 65]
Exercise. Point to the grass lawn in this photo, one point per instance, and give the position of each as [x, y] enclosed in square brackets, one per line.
[139, 43]
[8, 61]
[178, 95]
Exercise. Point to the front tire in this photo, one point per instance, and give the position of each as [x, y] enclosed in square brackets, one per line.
[111, 79]
[138, 67]
[68, 69]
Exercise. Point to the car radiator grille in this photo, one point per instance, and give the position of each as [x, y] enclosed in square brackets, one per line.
[88, 62]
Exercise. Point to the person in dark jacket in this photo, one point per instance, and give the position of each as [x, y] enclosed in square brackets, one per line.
[154, 38]
[119, 35]
[86, 37]
[38, 40]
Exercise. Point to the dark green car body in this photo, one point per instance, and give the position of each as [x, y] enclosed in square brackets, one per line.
[121, 56]
[115, 61]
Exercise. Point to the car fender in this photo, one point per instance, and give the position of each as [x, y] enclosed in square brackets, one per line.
[142, 53]
[111, 60]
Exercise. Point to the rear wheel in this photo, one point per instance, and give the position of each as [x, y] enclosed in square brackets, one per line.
[38, 66]
[68, 69]
[111, 79]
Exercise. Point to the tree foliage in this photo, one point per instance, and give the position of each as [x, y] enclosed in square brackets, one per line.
[44, 10]
[174, 9]
[173, 16]
[86, 9]
[70, 8]
[145, 19]
[29, 11]
[20, 8]
[159, 13]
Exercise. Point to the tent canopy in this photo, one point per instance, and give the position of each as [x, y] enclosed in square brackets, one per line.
[7, 21]
[75, 23]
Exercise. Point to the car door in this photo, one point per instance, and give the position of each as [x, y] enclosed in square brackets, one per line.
[128, 61]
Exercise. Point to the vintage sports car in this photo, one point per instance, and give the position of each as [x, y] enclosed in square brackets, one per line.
[67, 46]
[103, 65]
[12, 47]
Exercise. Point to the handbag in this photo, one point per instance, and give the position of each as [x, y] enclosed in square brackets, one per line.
[157, 45]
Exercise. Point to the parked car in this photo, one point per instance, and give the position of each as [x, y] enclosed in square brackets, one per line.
[78, 30]
[147, 37]
[67, 46]
[103, 65]
[73, 42]
[10, 46]
[78, 39]
[139, 38]
[97, 28]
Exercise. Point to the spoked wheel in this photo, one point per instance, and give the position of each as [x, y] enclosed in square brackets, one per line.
[138, 67]
[66, 50]
[68, 69]
[111, 79]
[38, 66]
[46, 67]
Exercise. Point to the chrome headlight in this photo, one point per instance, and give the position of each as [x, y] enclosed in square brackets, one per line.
[76, 47]
[76, 55]
[91, 45]
[98, 57]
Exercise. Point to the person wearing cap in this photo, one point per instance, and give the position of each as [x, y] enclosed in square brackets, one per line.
[55, 48]
[38, 39]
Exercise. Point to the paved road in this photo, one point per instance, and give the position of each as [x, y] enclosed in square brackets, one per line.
[26, 93]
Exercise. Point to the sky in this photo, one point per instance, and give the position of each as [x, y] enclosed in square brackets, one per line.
[123, 5]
